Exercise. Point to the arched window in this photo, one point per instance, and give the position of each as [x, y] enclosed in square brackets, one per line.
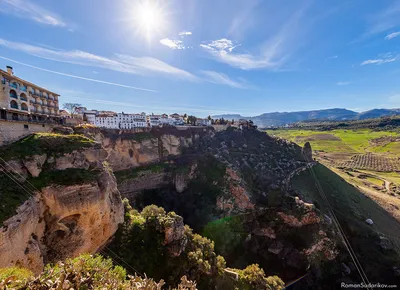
[13, 104]
[24, 107]
[22, 97]
[13, 94]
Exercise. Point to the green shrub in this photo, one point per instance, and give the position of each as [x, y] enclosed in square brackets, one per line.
[15, 273]
[69, 176]
[83, 272]
[41, 143]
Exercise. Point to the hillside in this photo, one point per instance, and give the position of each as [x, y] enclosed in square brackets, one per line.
[234, 187]
[284, 118]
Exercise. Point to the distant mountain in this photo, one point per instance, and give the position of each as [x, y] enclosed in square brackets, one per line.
[376, 113]
[337, 114]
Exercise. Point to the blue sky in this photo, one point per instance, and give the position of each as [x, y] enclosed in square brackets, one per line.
[205, 56]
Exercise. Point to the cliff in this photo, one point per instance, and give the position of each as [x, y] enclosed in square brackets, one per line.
[73, 205]
[127, 150]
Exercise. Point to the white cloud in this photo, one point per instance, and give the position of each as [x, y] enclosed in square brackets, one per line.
[172, 43]
[382, 21]
[392, 35]
[332, 57]
[343, 83]
[379, 61]
[78, 77]
[118, 62]
[29, 10]
[222, 46]
[222, 50]
[273, 53]
[185, 33]
[220, 78]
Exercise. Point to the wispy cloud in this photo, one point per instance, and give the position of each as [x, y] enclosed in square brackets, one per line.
[29, 10]
[392, 35]
[172, 43]
[332, 57]
[118, 62]
[382, 21]
[220, 78]
[185, 33]
[383, 58]
[155, 106]
[273, 53]
[78, 77]
[343, 83]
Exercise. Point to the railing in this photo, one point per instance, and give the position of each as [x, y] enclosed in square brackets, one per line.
[14, 107]
[23, 99]
[24, 109]
[14, 96]
[23, 89]
[14, 86]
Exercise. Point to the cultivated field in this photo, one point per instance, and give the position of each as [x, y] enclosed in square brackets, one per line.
[369, 160]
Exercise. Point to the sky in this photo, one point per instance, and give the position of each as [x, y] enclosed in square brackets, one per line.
[207, 57]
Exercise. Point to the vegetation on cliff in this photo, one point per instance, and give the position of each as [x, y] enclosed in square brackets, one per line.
[159, 244]
[83, 272]
[122, 175]
[41, 143]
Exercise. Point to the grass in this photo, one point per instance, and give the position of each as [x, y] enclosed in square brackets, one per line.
[375, 181]
[70, 176]
[122, 175]
[352, 208]
[49, 143]
[12, 195]
[349, 141]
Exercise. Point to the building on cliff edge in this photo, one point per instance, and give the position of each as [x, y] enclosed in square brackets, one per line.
[21, 100]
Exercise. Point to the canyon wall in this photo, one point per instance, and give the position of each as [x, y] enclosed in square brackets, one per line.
[61, 220]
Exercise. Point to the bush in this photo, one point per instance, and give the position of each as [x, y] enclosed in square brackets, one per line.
[165, 248]
[83, 272]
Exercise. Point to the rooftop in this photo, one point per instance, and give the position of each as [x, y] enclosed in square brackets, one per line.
[6, 74]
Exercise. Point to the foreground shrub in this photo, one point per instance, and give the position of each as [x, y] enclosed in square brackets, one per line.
[84, 272]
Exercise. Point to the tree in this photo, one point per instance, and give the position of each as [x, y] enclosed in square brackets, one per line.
[209, 117]
[71, 107]
[191, 120]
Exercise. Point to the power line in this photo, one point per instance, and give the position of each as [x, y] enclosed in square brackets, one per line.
[339, 228]
[30, 194]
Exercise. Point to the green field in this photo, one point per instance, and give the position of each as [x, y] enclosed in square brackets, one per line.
[341, 141]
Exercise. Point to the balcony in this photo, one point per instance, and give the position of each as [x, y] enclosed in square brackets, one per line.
[15, 86]
[24, 89]
[14, 106]
[23, 99]
[24, 109]
[13, 96]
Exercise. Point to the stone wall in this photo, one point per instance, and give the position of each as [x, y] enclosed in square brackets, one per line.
[11, 131]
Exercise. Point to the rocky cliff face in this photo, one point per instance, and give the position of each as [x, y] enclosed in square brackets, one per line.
[66, 217]
[128, 150]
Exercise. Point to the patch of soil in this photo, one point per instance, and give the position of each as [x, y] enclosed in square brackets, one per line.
[316, 137]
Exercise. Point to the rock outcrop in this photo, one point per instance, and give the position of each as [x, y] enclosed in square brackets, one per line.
[128, 150]
[61, 220]
[307, 152]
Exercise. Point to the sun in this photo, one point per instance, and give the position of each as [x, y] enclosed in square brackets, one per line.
[149, 18]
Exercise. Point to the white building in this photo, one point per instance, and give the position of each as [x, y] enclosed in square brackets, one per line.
[203, 122]
[159, 120]
[113, 120]
[129, 121]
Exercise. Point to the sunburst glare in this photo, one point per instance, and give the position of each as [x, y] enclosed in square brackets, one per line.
[149, 18]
